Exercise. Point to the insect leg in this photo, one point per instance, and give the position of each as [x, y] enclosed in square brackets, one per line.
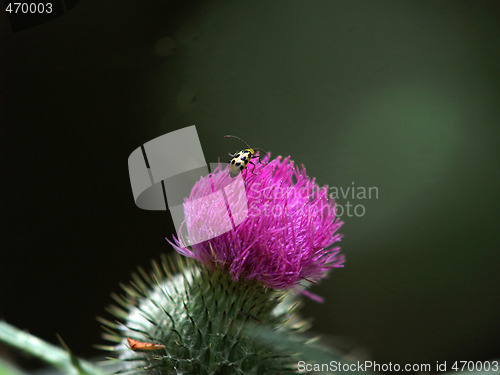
[250, 162]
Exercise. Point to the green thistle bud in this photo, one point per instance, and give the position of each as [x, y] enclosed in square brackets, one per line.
[199, 321]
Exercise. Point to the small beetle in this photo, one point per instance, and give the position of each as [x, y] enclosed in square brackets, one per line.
[241, 159]
[136, 345]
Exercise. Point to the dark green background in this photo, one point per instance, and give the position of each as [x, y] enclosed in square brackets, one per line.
[399, 95]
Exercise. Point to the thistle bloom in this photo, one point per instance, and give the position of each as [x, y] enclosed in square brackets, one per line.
[284, 234]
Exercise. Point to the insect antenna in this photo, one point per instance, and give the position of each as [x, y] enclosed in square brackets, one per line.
[261, 150]
[233, 136]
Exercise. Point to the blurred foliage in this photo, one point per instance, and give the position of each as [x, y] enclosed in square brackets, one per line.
[62, 359]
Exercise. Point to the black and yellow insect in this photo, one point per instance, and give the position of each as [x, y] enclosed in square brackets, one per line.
[241, 159]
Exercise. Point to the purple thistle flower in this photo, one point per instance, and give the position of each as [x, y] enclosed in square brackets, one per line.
[285, 228]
